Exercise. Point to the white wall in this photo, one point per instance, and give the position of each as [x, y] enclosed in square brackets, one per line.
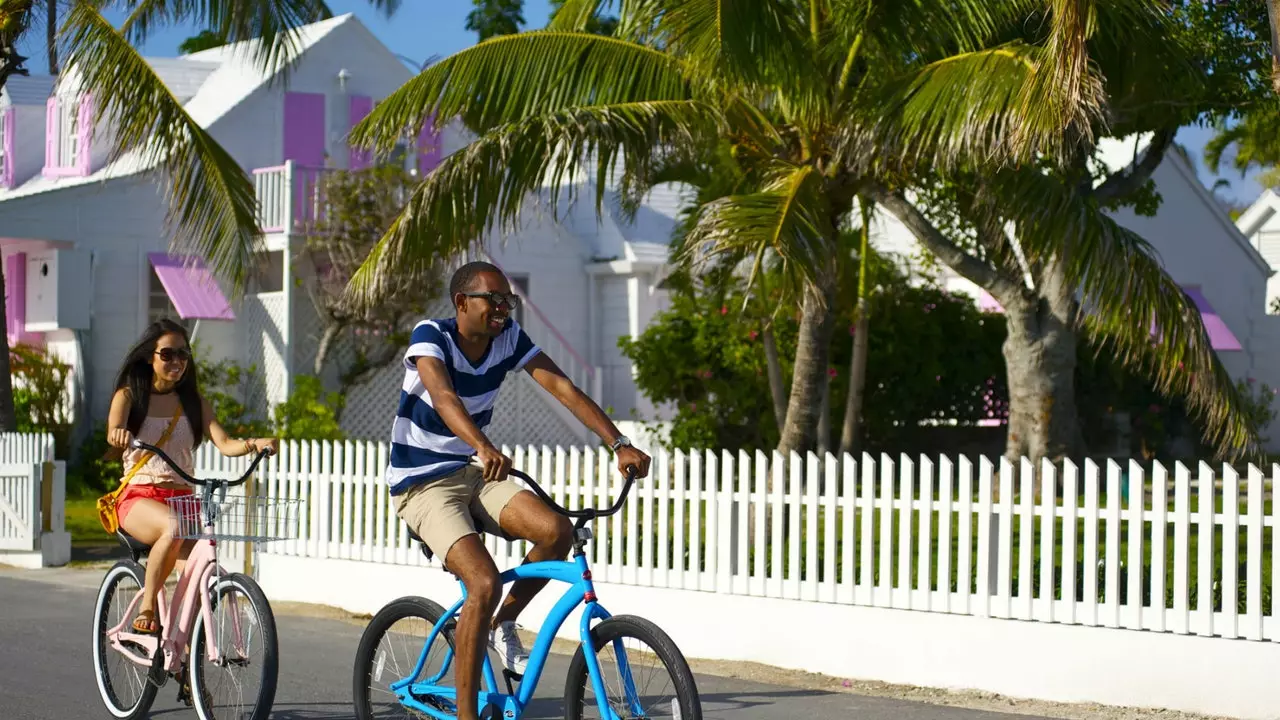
[28, 145]
[119, 221]
[254, 130]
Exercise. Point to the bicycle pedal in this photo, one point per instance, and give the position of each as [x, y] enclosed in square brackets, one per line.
[508, 675]
[157, 676]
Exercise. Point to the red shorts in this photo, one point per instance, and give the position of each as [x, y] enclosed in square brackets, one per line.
[147, 492]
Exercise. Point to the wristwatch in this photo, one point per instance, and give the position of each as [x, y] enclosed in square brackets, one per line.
[622, 441]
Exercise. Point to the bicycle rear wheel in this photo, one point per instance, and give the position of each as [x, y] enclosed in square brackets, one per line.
[389, 651]
[121, 682]
[242, 619]
[625, 646]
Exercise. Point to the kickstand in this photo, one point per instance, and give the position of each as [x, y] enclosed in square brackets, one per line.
[508, 675]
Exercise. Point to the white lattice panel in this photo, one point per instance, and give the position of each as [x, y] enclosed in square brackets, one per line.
[264, 341]
[371, 406]
[525, 415]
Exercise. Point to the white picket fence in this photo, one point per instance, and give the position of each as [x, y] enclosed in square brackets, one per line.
[24, 499]
[927, 535]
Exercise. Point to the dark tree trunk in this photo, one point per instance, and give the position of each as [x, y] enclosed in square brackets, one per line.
[810, 373]
[8, 419]
[51, 34]
[777, 386]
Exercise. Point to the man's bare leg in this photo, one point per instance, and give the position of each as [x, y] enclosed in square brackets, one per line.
[551, 533]
[470, 561]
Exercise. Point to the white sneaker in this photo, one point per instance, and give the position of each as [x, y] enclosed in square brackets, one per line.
[512, 651]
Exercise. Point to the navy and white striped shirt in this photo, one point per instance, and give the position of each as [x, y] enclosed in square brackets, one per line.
[422, 445]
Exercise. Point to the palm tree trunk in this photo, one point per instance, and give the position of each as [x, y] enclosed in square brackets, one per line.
[1040, 358]
[824, 420]
[851, 432]
[51, 34]
[8, 419]
[777, 386]
[810, 372]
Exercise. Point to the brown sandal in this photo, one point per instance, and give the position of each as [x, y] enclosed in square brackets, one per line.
[145, 622]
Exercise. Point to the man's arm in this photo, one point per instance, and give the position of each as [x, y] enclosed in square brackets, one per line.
[445, 400]
[547, 374]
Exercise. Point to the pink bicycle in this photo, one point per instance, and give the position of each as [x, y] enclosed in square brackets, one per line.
[207, 636]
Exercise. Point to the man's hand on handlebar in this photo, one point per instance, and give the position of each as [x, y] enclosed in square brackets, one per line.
[494, 464]
[634, 457]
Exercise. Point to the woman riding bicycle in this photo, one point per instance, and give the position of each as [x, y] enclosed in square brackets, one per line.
[157, 400]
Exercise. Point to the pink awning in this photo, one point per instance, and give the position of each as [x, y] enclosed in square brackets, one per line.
[1220, 336]
[191, 287]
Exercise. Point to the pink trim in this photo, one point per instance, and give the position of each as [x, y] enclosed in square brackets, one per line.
[8, 170]
[84, 133]
[265, 170]
[529, 304]
[15, 301]
[359, 109]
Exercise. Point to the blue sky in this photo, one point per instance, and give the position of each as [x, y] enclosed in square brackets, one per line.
[423, 28]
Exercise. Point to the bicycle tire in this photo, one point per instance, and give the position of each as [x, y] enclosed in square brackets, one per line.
[122, 570]
[271, 655]
[620, 626]
[391, 613]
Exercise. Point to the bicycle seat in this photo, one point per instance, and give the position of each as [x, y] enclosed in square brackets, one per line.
[137, 548]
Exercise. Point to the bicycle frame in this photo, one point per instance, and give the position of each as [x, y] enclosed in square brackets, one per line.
[577, 574]
[202, 565]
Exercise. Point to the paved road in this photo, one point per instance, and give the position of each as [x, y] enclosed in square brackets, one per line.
[46, 671]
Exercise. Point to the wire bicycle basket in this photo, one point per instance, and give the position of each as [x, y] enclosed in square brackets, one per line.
[256, 519]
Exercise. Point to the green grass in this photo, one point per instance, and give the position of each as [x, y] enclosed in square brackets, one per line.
[83, 524]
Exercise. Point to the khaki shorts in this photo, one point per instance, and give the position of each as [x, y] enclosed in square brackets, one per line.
[442, 510]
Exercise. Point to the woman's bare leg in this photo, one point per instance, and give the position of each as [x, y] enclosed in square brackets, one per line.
[151, 522]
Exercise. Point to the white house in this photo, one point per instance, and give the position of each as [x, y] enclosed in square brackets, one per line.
[85, 252]
[1198, 245]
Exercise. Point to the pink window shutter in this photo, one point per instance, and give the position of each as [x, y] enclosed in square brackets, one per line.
[361, 106]
[304, 141]
[84, 132]
[7, 169]
[429, 151]
[15, 291]
[51, 134]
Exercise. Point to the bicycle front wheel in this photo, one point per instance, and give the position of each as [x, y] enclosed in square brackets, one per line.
[240, 684]
[643, 673]
[122, 683]
[389, 650]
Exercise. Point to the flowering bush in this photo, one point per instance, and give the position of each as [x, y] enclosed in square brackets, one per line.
[931, 356]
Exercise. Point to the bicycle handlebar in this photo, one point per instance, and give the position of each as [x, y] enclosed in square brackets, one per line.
[196, 481]
[589, 513]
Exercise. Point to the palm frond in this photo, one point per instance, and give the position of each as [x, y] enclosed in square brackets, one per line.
[511, 78]
[988, 106]
[760, 42]
[574, 15]
[486, 185]
[789, 217]
[930, 29]
[1129, 300]
[274, 23]
[212, 205]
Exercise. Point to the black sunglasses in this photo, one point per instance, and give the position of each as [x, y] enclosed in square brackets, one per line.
[511, 300]
[171, 354]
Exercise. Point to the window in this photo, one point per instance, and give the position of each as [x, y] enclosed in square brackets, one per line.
[158, 303]
[66, 141]
[268, 273]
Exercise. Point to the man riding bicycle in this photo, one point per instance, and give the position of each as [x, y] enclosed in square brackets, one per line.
[453, 370]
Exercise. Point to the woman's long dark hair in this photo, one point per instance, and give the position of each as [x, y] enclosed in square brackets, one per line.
[137, 375]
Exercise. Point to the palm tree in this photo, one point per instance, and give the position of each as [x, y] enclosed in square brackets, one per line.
[211, 198]
[797, 88]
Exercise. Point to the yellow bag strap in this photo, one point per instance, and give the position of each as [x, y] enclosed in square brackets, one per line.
[173, 422]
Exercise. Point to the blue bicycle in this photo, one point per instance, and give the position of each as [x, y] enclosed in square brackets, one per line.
[399, 672]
